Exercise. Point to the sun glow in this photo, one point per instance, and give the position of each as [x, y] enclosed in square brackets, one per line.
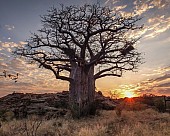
[129, 94]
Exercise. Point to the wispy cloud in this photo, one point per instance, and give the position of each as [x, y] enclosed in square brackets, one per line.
[165, 85]
[142, 6]
[9, 27]
[119, 8]
[155, 13]
[158, 84]
[108, 2]
[157, 25]
[31, 78]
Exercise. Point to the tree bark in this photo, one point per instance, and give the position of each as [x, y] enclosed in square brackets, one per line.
[82, 91]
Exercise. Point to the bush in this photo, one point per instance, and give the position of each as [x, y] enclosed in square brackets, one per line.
[119, 108]
[6, 115]
[9, 115]
[159, 105]
[148, 99]
[2, 112]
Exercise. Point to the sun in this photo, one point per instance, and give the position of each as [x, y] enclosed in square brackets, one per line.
[129, 94]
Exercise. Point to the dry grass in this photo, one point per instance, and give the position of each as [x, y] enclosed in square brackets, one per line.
[131, 123]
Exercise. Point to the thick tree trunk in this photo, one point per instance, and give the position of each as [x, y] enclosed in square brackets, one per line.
[82, 91]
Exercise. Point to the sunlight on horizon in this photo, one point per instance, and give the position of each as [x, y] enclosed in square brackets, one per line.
[129, 94]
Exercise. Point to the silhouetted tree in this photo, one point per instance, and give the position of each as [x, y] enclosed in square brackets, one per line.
[11, 76]
[81, 45]
[114, 94]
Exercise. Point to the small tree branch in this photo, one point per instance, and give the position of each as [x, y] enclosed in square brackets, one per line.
[104, 75]
[56, 73]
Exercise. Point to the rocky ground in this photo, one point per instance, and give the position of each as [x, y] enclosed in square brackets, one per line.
[48, 104]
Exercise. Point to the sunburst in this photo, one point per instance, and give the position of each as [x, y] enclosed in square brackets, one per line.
[129, 94]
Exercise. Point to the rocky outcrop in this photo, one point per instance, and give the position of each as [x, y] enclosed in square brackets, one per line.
[48, 104]
[105, 103]
[23, 105]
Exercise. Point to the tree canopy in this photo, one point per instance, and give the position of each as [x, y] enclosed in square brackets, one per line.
[87, 35]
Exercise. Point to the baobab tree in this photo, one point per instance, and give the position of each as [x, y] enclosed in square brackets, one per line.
[81, 45]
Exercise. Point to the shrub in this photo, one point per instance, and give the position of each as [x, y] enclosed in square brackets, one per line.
[9, 115]
[148, 99]
[2, 112]
[159, 104]
[119, 109]
[6, 115]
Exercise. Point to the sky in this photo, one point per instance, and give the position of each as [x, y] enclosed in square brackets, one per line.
[20, 18]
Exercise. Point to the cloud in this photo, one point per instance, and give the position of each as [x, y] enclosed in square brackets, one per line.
[165, 85]
[157, 25]
[156, 82]
[158, 3]
[9, 27]
[159, 82]
[155, 13]
[118, 8]
[112, 2]
[31, 78]
[164, 91]
[142, 6]
[164, 77]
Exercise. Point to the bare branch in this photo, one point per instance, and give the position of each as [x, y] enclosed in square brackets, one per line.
[56, 73]
[86, 36]
[104, 75]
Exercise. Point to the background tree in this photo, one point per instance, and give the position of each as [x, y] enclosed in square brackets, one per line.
[74, 40]
[11, 76]
[114, 94]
